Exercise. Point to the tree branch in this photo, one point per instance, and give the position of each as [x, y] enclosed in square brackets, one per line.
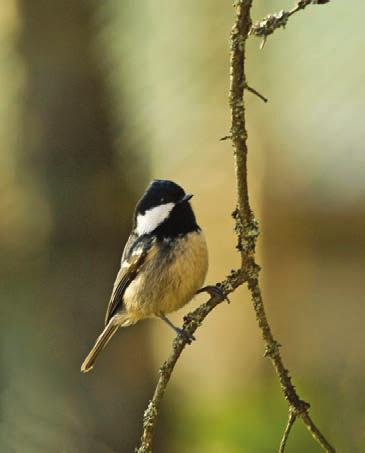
[291, 420]
[272, 22]
[191, 322]
[246, 227]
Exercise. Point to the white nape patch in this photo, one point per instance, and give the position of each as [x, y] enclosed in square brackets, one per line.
[152, 218]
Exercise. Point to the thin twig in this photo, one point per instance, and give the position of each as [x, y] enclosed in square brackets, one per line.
[291, 420]
[259, 95]
[272, 22]
[247, 231]
[316, 433]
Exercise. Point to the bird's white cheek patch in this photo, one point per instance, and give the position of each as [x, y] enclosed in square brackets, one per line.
[152, 218]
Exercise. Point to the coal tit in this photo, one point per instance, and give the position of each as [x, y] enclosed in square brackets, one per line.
[164, 263]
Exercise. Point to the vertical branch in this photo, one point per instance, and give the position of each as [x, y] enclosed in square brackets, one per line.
[239, 36]
[247, 231]
[246, 225]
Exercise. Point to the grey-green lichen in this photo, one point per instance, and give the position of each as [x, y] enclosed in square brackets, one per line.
[272, 349]
[272, 22]
[149, 415]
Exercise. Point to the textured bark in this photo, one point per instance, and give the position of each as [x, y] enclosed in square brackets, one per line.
[247, 230]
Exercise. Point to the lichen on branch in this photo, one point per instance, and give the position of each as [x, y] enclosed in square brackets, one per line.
[272, 22]
[247, 231]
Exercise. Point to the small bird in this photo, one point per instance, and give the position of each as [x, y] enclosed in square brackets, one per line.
[164, 263]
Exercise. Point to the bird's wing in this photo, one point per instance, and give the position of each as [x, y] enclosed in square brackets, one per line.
[130, 266]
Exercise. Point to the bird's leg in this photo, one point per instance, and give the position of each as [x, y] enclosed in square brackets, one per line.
[214, 290]
[180, 332]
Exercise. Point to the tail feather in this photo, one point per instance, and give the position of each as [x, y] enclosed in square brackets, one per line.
[100, 344]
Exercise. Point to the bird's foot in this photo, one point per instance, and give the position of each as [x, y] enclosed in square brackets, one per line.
[214, 291]
[188, 337]
[180, 332]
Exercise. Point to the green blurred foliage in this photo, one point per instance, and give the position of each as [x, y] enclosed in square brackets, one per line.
[249, 422]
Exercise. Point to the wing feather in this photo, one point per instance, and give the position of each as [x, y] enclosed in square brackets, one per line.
[130, 266]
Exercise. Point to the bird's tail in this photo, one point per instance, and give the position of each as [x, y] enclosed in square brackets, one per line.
[100, 344]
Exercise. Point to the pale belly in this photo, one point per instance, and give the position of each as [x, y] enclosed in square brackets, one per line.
[167, 283]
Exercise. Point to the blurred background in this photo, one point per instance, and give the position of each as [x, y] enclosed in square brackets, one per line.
[97, 98]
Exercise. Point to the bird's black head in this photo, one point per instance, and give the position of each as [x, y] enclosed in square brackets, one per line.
[164, 211]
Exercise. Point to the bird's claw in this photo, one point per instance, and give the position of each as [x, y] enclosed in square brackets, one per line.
[214, 290]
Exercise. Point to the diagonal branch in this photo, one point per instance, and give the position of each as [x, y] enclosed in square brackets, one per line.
[291, 421]
[246, 227]
[272, 22]
[191, 322]
[256, 93]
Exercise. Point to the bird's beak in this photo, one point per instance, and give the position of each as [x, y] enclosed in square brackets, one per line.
[186, 197]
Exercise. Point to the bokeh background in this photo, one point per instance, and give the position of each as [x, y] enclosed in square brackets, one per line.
[97, 98]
